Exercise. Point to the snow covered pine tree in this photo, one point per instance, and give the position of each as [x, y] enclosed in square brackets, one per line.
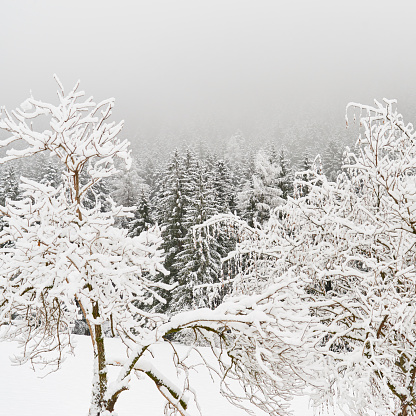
[65, 256]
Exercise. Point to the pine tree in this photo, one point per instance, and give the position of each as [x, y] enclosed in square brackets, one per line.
[51, 172]
[285, 177]
[303, 175]
[143, 218]
[225, 193]
[199, 263]
[9, 190]
[172, 201]
[9, 185]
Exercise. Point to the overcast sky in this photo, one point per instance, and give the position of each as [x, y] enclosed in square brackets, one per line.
[188, 60]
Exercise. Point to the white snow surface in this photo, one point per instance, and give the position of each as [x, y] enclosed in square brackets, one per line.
[67, 391]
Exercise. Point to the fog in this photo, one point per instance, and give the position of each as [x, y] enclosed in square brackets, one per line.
[183, 65]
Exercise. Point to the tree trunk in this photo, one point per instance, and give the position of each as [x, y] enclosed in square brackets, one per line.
[100, 384]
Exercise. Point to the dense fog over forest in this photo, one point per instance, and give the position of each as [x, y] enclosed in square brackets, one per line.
[182, 69]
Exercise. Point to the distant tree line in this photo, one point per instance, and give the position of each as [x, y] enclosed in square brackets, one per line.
[183, 189]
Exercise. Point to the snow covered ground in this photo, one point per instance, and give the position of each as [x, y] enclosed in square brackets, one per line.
[67, 392]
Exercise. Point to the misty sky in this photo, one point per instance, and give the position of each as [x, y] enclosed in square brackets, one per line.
[173, 62]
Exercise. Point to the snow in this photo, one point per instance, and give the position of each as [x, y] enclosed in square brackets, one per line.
[67, 391]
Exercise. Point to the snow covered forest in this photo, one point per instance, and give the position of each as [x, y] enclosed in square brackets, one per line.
[218, 218]
[296, 270]
[182, 189]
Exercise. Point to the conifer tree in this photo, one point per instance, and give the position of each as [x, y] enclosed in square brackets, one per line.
[9, 189]
[172, 201]
[303, 175]
[9, 185]
[143, 218]
[285, 177]
[199, 263]
[225, 193]
[51, 173]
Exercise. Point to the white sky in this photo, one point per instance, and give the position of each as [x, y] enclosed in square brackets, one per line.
[216, 59]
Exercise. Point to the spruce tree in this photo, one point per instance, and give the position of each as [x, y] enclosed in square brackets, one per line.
[199, 263]
[9, 185]
[225, 193]
[51, 172]
[143, 218]
[172, 200]
[285, 177]
[303, 175]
